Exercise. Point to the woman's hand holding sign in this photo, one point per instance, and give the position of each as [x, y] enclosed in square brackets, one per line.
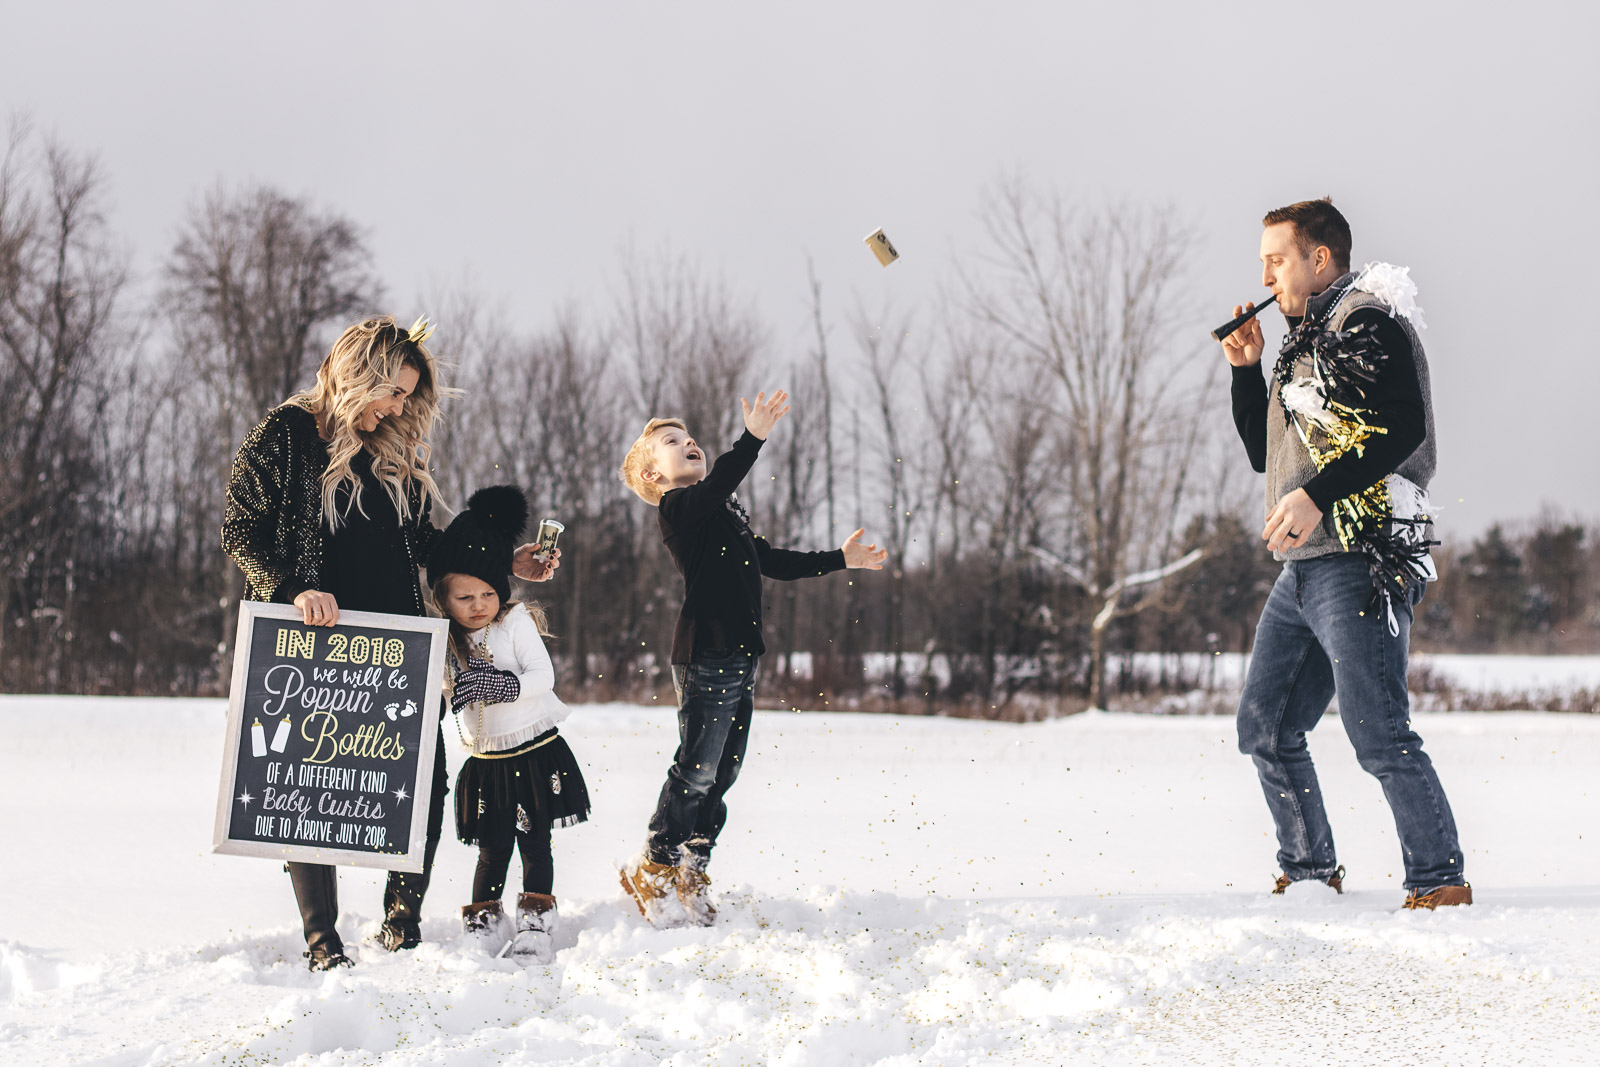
[320, 608]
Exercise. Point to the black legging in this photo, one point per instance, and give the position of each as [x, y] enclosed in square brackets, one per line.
[316, 886]
[494, 859]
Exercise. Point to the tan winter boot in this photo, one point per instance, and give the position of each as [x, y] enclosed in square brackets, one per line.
[692, 887]
[1335, 881]
[536, 922]
[485, 922]
[1446, 896]
[652, 887]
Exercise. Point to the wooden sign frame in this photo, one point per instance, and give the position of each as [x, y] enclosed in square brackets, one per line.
[250, 613]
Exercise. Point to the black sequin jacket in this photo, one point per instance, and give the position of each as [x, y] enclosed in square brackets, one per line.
[273, 527]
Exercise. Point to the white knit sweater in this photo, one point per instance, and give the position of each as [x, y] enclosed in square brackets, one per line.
[516, 646]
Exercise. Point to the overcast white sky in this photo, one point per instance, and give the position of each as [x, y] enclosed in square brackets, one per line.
[523, 144]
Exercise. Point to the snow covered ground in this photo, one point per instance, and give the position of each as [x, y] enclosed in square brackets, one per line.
[894, 891]
[1481, 674]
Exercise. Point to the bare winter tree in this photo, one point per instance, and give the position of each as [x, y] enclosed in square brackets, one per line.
[950, 399]
[583, 429]
[254, 276]
[1095, 299]
[1019, 463]
[60, 279]
[825, 389]
[885, 341]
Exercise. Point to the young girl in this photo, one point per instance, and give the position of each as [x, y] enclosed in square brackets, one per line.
[520, 779]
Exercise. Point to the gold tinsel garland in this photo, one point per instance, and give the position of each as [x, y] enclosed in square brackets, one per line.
[1348, 432]
[1345, 366]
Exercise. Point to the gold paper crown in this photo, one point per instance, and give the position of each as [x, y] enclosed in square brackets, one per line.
[421, 330]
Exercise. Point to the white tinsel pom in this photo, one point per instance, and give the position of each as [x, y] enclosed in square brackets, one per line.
[1407, 499]
[1304, 397]
[1392, 285]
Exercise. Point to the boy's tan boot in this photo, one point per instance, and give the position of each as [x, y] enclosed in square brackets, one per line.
[1445, 896]
[692, 887]
[653, 888]
[536, 923]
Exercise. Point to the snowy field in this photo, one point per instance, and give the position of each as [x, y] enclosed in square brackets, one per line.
[1484, 675]
[894, 891]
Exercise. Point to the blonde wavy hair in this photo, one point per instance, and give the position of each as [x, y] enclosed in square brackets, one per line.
[363, 367]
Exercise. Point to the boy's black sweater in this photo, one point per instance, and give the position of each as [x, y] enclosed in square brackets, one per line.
[722, 562]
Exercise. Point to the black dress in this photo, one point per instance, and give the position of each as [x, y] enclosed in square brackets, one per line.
[364, 562]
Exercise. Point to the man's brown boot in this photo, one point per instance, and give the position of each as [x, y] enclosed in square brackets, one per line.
[1446, 896]
[651, 885]
[1336, 881]
[692, 886]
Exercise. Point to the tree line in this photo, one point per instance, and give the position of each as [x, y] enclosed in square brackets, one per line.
[1046, 452]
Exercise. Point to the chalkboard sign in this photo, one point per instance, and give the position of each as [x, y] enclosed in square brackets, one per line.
[329, 731]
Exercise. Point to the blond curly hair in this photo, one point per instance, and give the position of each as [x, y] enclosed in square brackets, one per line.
[641, 454]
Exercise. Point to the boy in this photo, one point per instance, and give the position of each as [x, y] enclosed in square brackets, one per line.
[717, 642]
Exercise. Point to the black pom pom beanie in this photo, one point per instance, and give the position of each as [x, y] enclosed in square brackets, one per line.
[481, 540]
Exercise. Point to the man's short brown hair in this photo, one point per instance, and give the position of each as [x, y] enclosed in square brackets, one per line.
[1316, 223]
[640, 455]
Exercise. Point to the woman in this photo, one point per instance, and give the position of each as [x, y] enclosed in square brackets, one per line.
[329, 507]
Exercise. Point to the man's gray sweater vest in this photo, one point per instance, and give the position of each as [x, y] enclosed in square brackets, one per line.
[1289, 465]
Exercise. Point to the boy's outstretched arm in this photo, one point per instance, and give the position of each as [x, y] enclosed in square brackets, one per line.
[786, 565]
[689, 505]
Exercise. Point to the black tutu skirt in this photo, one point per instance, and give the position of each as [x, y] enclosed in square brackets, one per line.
[496, 797]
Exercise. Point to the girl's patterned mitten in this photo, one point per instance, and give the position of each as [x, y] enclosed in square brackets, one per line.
[481, 683]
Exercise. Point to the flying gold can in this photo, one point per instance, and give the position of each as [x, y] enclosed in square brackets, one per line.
[881, 247]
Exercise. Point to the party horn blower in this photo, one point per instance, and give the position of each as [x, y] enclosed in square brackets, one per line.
[1233, 324]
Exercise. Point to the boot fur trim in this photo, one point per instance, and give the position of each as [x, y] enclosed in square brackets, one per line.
[484, 915]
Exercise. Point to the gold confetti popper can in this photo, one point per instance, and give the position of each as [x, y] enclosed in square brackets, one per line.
[879, 243]
[549, 531]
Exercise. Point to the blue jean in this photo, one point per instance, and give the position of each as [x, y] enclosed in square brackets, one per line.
[1320, 634]
[716, 697]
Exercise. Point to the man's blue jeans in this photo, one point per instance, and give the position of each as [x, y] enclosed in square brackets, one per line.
[1320, 634]
[716, 697]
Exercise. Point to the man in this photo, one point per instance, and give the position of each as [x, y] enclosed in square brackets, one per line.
[1343, 430]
